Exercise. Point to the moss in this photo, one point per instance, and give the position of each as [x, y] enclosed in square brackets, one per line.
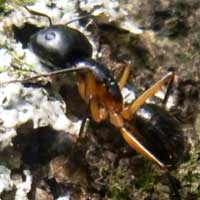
[119, 192]
[147, 179]
[120, 184]
[2, 2]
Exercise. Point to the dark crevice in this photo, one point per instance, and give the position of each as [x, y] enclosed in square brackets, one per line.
[23, 34]
[39, 146]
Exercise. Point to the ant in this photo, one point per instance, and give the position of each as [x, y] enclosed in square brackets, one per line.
[68, 50]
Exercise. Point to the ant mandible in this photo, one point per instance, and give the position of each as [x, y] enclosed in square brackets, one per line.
[67, 49]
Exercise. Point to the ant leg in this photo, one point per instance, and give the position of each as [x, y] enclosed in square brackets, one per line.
[168, 91]
[81, 131]
[87, 86]
[98, 112]
[174, 189]
[33, 12]
[87, 89]
[123, 80]
[129, 110]
[81, 88]
[135, 144]
[118, 122]
[53, 73]
[135, 131]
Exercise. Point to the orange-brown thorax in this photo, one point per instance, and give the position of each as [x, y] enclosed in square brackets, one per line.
[102, 103]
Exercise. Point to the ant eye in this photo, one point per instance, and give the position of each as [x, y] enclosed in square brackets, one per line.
[50, 36]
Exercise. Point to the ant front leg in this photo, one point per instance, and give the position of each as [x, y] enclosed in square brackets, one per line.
[129, 111]
[123, 80]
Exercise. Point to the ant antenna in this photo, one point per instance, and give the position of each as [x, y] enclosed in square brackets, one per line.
[89, 15]
[53, 73]
[39, 14]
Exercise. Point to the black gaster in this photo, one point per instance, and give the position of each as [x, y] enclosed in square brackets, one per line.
[162, 133]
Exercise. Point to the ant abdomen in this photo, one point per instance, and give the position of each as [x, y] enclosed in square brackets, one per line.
[161, 133]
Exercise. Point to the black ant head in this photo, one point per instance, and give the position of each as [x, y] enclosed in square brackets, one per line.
[59, 44]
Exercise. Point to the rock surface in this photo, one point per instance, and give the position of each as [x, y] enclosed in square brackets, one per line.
[40, 120]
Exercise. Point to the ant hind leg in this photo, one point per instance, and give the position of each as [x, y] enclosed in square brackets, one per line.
[133, 140]
[140, 148]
